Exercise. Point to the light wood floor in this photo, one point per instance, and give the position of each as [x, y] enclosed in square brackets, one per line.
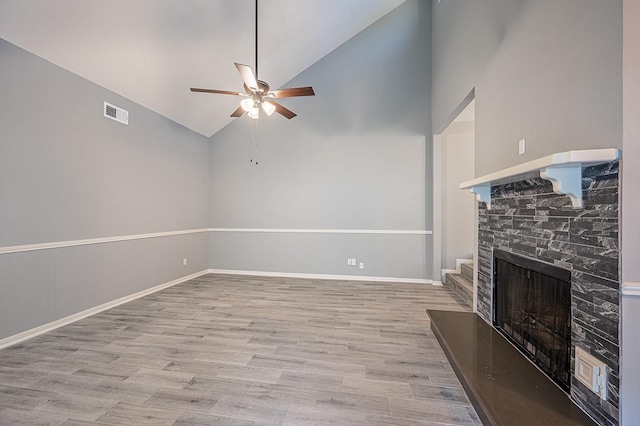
[230, 350]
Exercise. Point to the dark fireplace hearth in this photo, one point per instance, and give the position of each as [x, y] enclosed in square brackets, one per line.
[532, 308]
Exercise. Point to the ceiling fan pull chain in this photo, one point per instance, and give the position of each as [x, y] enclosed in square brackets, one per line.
[253, 142]
[257, 138]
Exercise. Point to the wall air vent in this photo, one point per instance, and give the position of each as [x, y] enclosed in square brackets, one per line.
[115, 113]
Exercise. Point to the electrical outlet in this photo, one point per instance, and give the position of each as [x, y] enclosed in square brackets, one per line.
[361, 265]
[185, 261]
[349, 261]
[522, 146]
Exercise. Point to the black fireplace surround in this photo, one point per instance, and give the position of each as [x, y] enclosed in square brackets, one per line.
[532, 309]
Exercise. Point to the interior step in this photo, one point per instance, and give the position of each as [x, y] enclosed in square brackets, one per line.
[461, 285]
[467, 270]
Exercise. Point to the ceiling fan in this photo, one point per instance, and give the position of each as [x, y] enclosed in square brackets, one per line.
[258, 95]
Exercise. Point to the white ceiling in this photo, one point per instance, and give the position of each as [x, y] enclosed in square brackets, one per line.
[153, 51]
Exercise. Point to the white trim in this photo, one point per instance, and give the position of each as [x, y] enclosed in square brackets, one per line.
[74, 243]
[438, 203]
[444, 272]
[475, 257]
[563, 170]
[90, 241]
[325, 231]
[459, 263]
[321, 276]
[45, 328]
[532, 168]
[631, 288]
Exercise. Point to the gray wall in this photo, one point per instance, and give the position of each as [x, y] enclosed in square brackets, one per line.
[458, 216]
[545, 70]
[630, 353]
[68, 173]
[321, 254]
[354, 158]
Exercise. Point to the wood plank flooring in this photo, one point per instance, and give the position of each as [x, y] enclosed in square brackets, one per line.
[230, 350]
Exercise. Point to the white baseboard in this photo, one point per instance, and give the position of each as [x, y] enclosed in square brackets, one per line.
[437, 283]
[326, 231]
[17, 338]
[321, 276]
[459, 263]
[444, 272]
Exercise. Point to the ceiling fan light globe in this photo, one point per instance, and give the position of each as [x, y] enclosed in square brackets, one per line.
[254, 113]
[268, 107]
[247, 104]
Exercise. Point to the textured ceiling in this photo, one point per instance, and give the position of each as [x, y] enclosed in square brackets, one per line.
[153, 51]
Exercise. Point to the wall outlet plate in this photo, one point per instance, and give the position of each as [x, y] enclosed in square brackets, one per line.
[591, 372]
[522, 146]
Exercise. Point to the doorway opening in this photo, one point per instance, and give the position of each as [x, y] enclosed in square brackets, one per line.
[455, 224]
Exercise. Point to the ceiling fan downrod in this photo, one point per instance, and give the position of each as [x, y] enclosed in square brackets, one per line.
[256, 35]
[258, 96]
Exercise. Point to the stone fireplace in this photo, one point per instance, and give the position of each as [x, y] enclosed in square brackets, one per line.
[528, 218]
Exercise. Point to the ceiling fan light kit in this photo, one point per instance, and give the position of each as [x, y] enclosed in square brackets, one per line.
[258, 96]
[247, 104]
[268, 107]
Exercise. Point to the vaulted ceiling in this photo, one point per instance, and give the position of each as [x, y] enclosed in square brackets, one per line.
[153, 51]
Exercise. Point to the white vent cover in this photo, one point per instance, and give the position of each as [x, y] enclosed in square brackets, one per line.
[115, 113]
[591, 372]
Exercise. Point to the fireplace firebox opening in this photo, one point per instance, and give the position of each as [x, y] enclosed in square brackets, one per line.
[532, 309]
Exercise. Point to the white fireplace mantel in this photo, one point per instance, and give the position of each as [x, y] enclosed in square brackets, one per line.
[563, 170]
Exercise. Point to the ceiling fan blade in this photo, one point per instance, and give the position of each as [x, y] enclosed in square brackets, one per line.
[283, 111]
[238, 112]
[290, 93]
[220, 92]
[247, 76]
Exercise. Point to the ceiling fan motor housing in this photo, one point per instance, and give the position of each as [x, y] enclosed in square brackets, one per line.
[263, 88]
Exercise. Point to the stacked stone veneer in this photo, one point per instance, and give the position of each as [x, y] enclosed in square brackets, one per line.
[529, 219]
